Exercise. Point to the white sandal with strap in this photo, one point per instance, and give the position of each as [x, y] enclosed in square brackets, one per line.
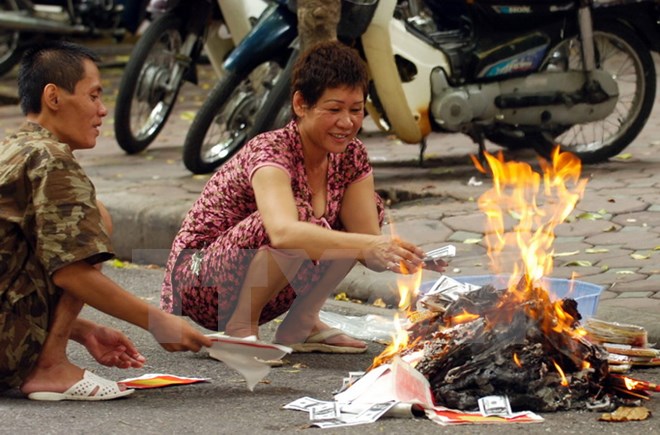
[91, 387]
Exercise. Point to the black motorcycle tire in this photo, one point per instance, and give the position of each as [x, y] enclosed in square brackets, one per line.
[134, 142]
[12, 39]
[276, 111]
[544, 142]
[225, 99]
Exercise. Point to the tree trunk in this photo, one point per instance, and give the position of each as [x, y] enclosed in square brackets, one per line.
[317, 21]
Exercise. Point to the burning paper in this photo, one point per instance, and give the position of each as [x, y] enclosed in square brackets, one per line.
[514, 340]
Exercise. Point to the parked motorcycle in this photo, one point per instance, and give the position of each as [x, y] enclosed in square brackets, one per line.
[222, 123]
[24, 22]
[166, 56]
[578, 74]
[573, 73]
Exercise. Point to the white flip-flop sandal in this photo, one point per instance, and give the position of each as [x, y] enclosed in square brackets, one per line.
[91, 387]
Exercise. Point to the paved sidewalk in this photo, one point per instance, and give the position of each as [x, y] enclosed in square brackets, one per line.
[615, 243]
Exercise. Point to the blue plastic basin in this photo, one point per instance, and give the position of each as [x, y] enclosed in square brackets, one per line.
[585, 294]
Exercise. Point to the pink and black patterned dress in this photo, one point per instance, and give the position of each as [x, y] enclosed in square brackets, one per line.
[223, 230]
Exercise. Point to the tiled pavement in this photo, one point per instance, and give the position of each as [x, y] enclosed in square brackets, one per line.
[612, 239]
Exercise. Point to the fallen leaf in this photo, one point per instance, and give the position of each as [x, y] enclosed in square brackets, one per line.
[379, 303]
[579, 263]
[639, 257]
[187, 115]
[117, 264]
[624, 156]
[471, 241]
[565, 254]
[590, 216]
[610, 229]
[341, 297]
[627, 413]
[625, 272]
[596, 250]
[517, 216]
[299, 366]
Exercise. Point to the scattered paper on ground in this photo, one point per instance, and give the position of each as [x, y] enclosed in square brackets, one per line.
[384, 391]
[158, 380]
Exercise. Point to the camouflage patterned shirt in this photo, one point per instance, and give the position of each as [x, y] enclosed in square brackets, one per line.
[48, 214]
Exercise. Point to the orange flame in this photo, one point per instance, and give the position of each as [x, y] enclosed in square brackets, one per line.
[408, 284]
[631, 384]
[400, 340]
[522, 210]
[517, 360]
[517, 192]
[564, 381]
[464, 317]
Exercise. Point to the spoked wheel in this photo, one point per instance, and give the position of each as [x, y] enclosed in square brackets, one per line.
[621, 53]
[150, 85]
[10, 41]
[221, 125]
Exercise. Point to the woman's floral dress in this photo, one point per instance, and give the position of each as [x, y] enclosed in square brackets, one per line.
[223, 230]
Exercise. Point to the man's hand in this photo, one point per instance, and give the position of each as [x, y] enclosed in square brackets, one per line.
[112, 348]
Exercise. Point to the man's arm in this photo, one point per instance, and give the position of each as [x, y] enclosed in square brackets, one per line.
[88, 284]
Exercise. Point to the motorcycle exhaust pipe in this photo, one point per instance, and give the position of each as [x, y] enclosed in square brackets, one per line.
[15, 21]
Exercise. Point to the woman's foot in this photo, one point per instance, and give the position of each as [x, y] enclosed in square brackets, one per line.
[241, 330]
[287, 337]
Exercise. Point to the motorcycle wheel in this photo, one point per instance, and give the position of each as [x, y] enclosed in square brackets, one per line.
[221, 125]
[10, 41]
[146, 94]
[276, 112]
[621, 53]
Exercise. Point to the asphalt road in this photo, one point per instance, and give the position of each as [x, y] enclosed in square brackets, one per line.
[225, 405]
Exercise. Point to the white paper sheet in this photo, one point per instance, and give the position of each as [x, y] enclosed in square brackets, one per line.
[243, 355]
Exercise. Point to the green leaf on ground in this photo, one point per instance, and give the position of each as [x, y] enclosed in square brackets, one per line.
[471, 241]
[565, 254]
[596, 250]
[579, 263]
[590, 216]
[188, 115]
[623, 156]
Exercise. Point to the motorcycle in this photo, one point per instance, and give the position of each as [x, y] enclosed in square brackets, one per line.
[24, 22]
[250, 72]
[573, 73]
[520, 73]
[166, 56]
[254, 95]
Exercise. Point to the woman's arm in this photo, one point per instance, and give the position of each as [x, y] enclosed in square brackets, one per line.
[276, 204]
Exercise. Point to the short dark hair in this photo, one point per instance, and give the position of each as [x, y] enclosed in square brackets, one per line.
[57, 62]
[328, 64]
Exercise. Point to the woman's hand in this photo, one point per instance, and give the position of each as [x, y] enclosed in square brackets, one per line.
[392, 253]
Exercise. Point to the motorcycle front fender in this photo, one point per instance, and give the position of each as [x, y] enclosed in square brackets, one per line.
[274, 32]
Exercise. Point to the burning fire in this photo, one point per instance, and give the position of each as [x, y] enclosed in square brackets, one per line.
[539, 202]
[506, 341]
